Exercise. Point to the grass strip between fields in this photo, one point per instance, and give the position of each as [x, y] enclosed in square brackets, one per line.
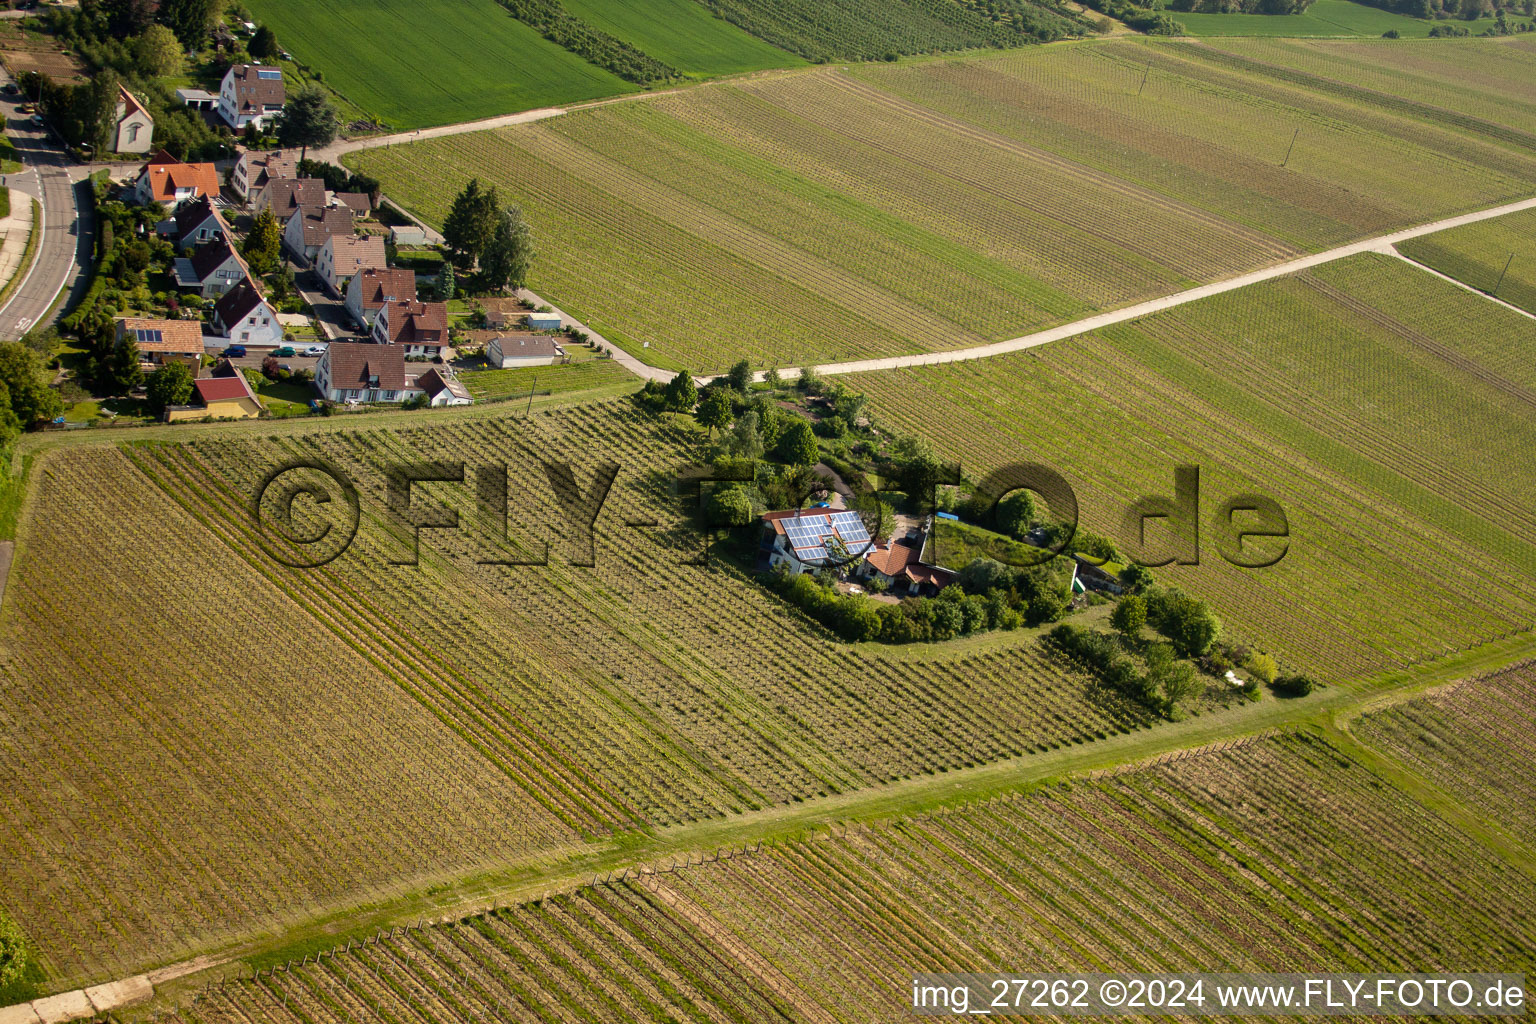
[1326, 711]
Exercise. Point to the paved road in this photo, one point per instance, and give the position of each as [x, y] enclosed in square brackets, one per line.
[64, 255]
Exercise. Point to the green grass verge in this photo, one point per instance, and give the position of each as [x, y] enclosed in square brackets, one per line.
[594, 373]
[415, 64]
[683, 34]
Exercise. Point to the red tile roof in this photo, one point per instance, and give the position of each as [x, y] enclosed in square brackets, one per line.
[410, 322]
[237, 304]
[176, 337]
[223, 389]
[320, 223]
[356, 365]
[380, 286]
[167, 175]
[254, 93]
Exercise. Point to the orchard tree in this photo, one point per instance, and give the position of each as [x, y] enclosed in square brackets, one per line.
[308, 119]
[507, 256]
[263, 247]
[170, 385]
[1171, 678]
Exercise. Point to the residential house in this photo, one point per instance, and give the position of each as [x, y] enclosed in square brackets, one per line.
[342, 257]
[212, 269]
[417, 328]
[164, 341]
[544, 322]
[899, 565]
[442, 389]
[310, 226]
[132, 127]
[256, 168]
[195, 221]
[360, 203]
[359, 372]
[507, 351]
[226, 395]
[245, 318]
[812, 539]
[285, 196]
[168, 180]
[251, 94]
[371, 288]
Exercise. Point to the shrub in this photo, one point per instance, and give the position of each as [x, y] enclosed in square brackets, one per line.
[13, 953]
[1295, 686]
[1262, 666]
[1129, 616]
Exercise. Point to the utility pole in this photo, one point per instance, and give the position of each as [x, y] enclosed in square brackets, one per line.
[1289, 148]
[1502, 273]
[532, 388]
[1144, 75]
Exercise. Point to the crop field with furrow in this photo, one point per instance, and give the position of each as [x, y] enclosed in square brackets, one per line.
[1495, 256]
[1350, 395]
[1268, 855]
[847, 213]
[547, 703]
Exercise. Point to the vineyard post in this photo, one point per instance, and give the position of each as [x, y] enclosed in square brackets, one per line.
[531, 389]
[1144, 75]
[1502, 273]
[1290, 147]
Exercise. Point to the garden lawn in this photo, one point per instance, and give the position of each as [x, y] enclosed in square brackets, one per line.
[683, 34]
[414, 63]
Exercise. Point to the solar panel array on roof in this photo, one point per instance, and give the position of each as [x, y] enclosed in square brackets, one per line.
[816, 537]
[269, 75]
[145, 334]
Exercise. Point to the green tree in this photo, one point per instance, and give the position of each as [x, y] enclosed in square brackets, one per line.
[119, 372]
[810, 381]
[1173, 679]
[308, 119]
[771, 376]
[1129, 616]
[263, 43]
[26, 382]
[681, 392]
[170, 385]
[857, 619]
[1262, 665]
[263, 246]
[739, 376]
[471, 224]
[797, 445]
[506, 258]
[1015, 513]
[981, 575]
[158, 52]
[1136, 578]
[729, 507]
[447, 284]
[13, 952]
[1295, 686]
[189, 19]
[714, 410]
[744, 441]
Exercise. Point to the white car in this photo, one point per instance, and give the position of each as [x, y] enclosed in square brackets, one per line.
[314, 350]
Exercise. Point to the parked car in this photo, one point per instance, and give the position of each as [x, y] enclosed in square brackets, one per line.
[234, 352]
[284, 352]
[37, 120]
[315, 350]
[10, 89]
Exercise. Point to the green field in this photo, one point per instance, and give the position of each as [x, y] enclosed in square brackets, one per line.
[415, 64]
[1323, 18]
[1478, 255]
[841, 214]
[1348, 394]
[683, 34]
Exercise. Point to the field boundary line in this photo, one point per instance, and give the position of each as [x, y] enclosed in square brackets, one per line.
[1462, 284]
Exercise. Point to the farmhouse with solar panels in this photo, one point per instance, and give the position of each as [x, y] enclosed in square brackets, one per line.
[250, 94]
[811, 539]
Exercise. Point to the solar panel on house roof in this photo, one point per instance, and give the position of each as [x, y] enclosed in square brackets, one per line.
[269, 75]
[145, 334]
